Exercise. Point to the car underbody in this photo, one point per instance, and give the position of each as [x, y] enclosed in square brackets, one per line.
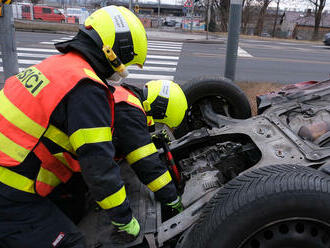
[292, 128]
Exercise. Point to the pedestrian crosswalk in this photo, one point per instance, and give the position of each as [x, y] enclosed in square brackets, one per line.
[161, 63]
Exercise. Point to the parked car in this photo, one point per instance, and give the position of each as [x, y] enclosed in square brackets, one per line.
[44, 13]
[170, 23]
[245, 182]
[326, 40]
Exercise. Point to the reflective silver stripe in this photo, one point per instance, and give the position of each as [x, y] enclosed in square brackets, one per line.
[165, 90]
[121, 26]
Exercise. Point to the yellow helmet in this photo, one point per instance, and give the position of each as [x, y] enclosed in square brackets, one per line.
[165, 102]
[119, 29]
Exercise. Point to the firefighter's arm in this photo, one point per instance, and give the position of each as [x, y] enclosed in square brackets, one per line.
[89, 119]
[134, 142]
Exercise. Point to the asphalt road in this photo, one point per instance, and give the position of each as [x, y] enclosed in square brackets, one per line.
[258, 61]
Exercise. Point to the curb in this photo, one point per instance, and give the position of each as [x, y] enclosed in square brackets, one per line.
[187, 40]
[65, 28]
[35, 26]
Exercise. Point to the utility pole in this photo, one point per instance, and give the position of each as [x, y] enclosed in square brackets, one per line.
[130, 5]
[159, 14]
[8, 42]
[233, 38]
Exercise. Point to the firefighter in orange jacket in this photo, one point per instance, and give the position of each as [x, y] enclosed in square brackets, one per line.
[56, 118]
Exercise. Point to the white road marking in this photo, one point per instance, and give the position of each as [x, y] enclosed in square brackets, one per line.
[66, 38]
[161, 62]
[164, 49]
[157, 63]
[159, 46]
[150, 76]
[242, 53]
[162, 57]
[151, 68]
[37, 50]
[26, 61]
[288, 44]
[34, 55]
[321, 46]
[58, 40]
[164, 42]
[47, 42]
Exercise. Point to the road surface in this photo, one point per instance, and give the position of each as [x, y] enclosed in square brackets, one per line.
[258, 61]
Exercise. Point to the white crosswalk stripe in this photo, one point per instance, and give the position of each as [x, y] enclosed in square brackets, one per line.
[162, 59]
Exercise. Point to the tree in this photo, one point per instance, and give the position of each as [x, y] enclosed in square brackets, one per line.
[247, 14]
[276, 17]
[261, 16]
[318, 9]
[223, 6]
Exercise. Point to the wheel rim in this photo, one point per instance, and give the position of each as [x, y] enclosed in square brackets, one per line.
[291, 233]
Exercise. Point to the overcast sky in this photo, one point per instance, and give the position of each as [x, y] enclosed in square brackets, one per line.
[298, 4]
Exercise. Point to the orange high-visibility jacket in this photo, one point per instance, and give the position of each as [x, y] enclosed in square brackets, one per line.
[26, 104]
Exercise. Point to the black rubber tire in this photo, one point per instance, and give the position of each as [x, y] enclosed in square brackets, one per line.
[262, 198]
[205, 87]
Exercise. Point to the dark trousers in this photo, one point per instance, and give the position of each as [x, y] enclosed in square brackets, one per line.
[36, 223]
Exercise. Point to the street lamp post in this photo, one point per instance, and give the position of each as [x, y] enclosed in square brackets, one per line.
[233, 38]
[8, 42]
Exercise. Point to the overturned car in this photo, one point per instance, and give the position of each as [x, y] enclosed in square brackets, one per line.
[245, 182]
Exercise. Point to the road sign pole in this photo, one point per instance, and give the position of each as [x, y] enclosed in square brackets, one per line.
[158, 14]
[8, 42]
[233, 38]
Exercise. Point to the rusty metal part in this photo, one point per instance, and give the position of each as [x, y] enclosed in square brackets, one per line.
[314, 131]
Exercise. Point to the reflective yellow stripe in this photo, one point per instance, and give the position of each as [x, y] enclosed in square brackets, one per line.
[58, 137]
[141, 153]
[15, 180]
[90, 135]
[60, 156]
[160, 182]
[92, 75]
[134, 100]
[48, 177]
[12, 149]
[113, 200]
[18, 118]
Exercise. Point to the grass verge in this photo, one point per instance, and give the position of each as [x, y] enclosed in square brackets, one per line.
[253, 89]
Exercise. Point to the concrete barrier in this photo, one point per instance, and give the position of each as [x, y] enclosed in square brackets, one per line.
[45, 26]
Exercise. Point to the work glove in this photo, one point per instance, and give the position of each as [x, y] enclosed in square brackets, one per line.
[132, 228]
[176, 205]
[159, 137]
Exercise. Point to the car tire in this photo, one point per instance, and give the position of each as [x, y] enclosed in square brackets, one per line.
[222, 92]
[274, 206]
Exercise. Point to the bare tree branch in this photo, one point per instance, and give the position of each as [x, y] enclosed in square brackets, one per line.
[261, 17]
[318, 6]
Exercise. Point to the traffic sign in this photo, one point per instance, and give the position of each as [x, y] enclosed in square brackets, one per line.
[189, 4]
